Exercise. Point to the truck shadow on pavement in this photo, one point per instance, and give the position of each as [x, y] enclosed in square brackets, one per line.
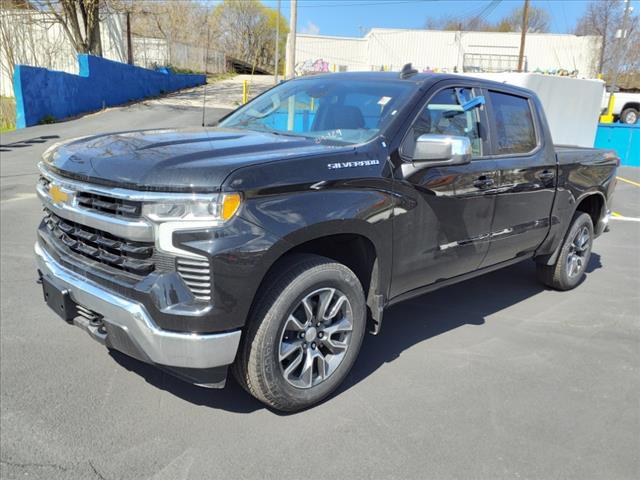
[438, 312]
[405, 325]
[7, 147]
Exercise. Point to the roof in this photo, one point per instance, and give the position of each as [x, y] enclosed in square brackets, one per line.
[418, 78]
[390, 31]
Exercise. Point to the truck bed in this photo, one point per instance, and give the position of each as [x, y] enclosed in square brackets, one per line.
[571, 154]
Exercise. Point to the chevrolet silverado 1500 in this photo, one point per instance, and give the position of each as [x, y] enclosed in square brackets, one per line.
[271, 242]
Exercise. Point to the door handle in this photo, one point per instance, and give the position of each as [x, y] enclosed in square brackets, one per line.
[546, 175]
[483, 182]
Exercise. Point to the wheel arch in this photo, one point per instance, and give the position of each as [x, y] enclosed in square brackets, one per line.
[355, 247]
[592, 203]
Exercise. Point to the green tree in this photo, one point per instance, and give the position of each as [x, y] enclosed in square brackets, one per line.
[247, 30]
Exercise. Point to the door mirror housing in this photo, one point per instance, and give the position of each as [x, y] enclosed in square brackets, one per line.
[439, 150]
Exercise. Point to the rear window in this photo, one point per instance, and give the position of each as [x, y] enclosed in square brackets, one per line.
[515, 132]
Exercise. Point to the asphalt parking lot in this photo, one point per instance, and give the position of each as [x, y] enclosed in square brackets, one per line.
[492, 378]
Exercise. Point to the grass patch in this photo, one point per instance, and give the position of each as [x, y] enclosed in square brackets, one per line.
[7, 114]
[47, 119]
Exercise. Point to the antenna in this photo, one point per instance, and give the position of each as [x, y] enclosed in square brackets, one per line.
[206, 58]
[407, 71]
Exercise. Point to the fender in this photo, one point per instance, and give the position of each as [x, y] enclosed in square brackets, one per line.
[559, 230]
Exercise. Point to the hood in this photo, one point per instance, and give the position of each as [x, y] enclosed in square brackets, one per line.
[174, 160]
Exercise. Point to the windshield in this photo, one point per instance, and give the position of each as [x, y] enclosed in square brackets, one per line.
[325, 108]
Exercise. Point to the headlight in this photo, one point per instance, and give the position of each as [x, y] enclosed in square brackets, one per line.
[216, 209]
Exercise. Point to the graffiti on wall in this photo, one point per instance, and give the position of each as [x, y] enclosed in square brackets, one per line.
[311, 66]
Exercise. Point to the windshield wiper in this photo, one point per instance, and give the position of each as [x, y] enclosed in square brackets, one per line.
[266, 129]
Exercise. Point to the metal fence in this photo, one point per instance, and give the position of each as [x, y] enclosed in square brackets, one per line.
[153, 52]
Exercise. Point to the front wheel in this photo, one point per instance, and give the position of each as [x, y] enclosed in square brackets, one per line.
[570, 266]
[304, 335]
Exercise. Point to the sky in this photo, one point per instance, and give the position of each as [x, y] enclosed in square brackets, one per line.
[353, 17]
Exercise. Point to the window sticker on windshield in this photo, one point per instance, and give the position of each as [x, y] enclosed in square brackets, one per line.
[383, 101]
[333, 133]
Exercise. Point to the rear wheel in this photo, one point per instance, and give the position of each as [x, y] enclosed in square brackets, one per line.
[304, 335]
[629, 116]
[570, 266]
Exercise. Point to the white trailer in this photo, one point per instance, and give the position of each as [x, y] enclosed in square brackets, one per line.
[572, 105]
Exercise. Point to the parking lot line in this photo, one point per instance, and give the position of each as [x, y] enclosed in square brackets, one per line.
[617, 216]
[626, 180]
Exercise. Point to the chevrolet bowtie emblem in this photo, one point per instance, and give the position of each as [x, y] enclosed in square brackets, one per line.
[57, 195]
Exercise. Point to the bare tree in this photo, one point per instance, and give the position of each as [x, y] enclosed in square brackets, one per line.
[538, 22]
[604, 18]
[80, 20]
[452, 23]
[30, 37]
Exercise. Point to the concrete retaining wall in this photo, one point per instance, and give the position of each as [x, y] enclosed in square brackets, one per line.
[43, 94]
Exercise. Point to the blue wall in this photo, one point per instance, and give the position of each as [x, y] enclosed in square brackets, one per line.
[101, 83]
[624, 139]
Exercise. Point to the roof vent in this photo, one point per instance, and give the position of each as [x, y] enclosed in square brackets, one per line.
[407, 71]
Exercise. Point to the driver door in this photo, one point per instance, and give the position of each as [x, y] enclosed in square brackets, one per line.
[443, 220]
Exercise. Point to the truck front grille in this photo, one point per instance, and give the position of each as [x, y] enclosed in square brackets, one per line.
[132, 257]
[196, 275]
[110, 205]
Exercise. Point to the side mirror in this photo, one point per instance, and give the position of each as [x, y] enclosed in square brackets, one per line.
[439, 150]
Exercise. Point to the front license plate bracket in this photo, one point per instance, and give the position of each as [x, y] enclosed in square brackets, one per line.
[59, 300]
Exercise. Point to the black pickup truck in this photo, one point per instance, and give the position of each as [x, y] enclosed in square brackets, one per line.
[271, 242]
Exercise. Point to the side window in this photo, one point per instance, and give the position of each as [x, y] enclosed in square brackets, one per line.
[444, 115]
[515, 132]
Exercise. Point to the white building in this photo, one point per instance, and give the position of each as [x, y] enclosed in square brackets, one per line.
[448, 51]
[34, 38]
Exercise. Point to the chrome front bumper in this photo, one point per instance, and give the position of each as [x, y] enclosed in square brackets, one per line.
[130, 329]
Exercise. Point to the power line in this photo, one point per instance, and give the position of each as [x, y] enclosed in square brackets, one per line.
[364, 4]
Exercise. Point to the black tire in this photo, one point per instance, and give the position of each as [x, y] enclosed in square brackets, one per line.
[560, 275]
[258, 366]
[629, 116]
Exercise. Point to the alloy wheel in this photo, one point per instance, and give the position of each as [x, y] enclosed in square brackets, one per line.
[578, 252]
[315, 337]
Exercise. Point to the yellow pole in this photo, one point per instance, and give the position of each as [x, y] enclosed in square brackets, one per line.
[245, 92]
[608, 116]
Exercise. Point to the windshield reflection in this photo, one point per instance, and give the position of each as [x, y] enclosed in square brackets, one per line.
[327, 109]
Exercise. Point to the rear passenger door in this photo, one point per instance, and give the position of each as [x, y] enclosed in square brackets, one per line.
[526, 165]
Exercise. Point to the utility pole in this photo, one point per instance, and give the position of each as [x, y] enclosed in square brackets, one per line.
[291, 44]
[620, 47]
[275, 70]
[129, 43]
[523, 35]
[206, 60]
